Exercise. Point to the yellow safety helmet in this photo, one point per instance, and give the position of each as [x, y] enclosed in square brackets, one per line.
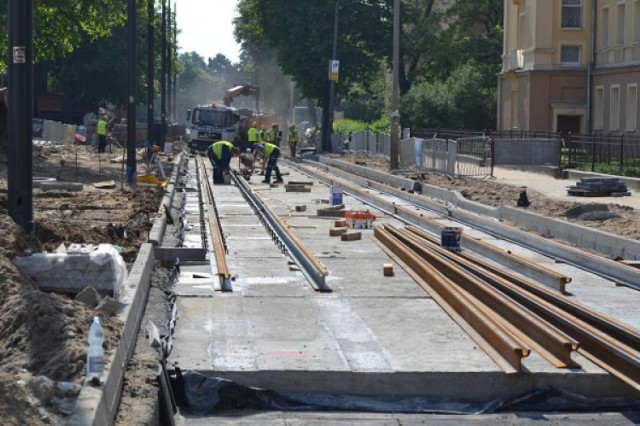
[264, 127]
[105, 117]
[254, 124]
[274, 125]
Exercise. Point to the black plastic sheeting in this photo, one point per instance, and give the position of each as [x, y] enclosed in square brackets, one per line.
[202, 395]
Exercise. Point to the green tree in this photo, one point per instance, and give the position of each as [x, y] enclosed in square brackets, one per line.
[301, 36]
[60, 26]
[461, 101]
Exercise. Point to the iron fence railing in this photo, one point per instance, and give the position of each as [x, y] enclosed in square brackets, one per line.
[597, 152]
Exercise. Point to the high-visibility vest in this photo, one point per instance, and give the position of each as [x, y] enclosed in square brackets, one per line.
[216, 148]
[294, 136]
[261, 136]
[268, 149]
[253, 135]
[102, 127]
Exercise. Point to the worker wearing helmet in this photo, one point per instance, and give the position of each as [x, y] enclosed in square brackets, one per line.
[274, 135]
[252, 134]
[270, 154]
[101, 131]
[294, 137]
[220, 154]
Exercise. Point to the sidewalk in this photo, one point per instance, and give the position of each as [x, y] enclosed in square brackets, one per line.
[557, 188]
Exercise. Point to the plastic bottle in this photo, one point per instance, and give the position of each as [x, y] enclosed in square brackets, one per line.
[95, 355]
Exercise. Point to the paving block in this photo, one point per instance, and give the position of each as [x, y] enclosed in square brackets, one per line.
[302, 208]
[340, 223]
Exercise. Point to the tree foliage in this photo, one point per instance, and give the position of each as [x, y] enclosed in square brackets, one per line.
[301, 36]
[60, 26]
[455, 85]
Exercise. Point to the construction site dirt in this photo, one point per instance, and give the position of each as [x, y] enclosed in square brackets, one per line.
[44, 335]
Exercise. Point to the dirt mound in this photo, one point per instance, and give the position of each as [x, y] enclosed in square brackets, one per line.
[45, 334]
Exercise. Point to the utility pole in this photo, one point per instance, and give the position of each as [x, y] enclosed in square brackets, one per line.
[395, 94]
[326, 133]
[131, 89]
[175, 50]
[169, 65]
[20, 114]
[150, 70]
[163, 75]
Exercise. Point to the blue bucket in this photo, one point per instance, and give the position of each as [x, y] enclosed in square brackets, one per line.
[335, 195]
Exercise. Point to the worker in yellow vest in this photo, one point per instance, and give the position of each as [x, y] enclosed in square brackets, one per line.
[270, 154]
[252, 134]
[101, 131]
[220, 154]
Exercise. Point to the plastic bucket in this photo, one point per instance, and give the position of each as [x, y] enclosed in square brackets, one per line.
[450, 237]
[335, 195]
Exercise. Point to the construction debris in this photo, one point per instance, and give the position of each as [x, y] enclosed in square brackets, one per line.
[599, 187]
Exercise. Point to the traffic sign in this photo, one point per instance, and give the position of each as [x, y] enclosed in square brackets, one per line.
[334, 69]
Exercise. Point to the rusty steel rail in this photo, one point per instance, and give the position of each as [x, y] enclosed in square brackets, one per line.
[608, 343]
[502, 346]
[217, 239]
[542, 337]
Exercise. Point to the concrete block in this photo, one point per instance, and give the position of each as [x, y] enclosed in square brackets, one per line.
[302, 208]
[107, 306]
[89, 296]
[153, 334]
[351, 236]
[340, 223]
[69, 273]
[65, 186]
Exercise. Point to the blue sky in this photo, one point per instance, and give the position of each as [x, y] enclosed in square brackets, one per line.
[206, 27]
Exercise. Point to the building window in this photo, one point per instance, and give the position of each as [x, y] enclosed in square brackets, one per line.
[632, 107]
[598, 108]
[620, 25]
[569, 54]
[614, 108]
[571, 13]
[604, 28]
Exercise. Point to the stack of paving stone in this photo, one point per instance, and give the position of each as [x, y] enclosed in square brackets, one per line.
[599, 187]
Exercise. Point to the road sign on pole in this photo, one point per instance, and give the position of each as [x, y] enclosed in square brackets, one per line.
[334, 69]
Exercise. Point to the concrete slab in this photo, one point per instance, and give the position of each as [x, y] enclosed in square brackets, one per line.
[372, 335]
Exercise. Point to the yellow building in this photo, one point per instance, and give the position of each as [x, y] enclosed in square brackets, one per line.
[570, 65]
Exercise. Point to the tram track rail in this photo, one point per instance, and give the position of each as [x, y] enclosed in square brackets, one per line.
[528, 316]
[592, 263]
[311, 267]
[217, 237]
[535, 317]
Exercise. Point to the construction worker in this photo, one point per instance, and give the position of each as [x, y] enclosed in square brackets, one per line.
[252, 134]
[262, 134]
[101, 131]
[270, 154]
[220, 154]
[294, 137]
[274, 135]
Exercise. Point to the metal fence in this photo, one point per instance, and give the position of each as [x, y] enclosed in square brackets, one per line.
[597, 152]
[610, 153]
[54, 132]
